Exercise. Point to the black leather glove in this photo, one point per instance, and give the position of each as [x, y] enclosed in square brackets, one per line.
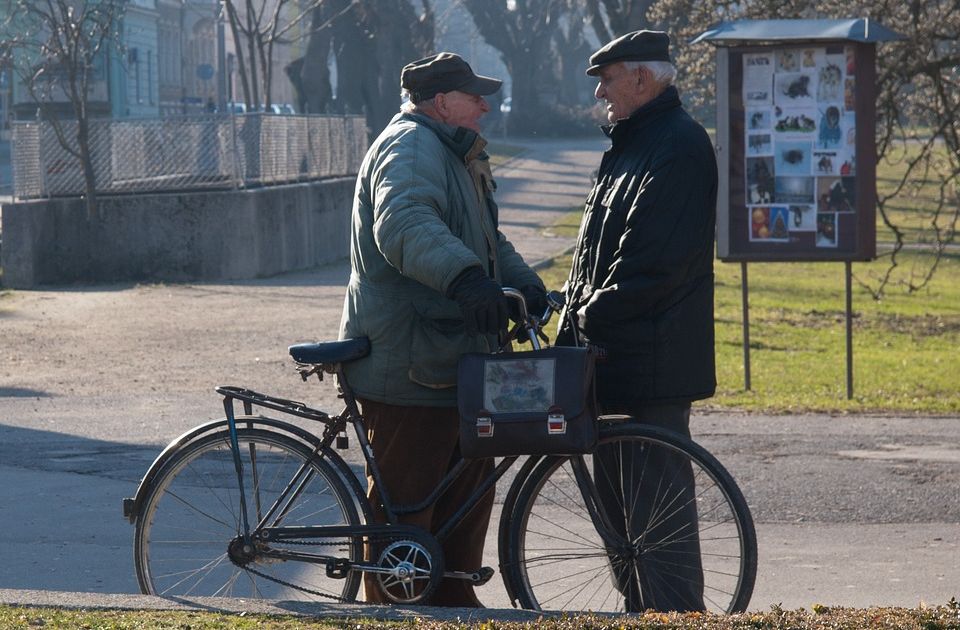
[481, 301]
[536, 297]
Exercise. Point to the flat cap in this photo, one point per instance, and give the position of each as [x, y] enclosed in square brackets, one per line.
[444, 72]
[635, 46]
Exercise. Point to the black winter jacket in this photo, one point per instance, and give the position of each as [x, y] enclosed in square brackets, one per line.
[641, 283]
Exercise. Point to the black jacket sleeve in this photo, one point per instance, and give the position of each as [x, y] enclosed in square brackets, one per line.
[668, 231]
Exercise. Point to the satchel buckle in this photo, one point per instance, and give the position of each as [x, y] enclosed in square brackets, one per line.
[484, 426]
[556, 423]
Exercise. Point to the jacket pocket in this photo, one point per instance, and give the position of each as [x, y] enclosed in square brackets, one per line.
[684, 354]
[438, 341]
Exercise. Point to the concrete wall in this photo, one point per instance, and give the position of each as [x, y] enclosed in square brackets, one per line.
[177, 237]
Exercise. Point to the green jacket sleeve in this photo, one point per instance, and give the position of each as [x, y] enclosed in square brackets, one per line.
[409, 193]
[514, 271]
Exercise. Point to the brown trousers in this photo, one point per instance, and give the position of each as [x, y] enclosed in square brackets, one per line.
[414, 448]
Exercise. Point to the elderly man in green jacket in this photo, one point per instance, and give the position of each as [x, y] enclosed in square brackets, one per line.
[427, 264]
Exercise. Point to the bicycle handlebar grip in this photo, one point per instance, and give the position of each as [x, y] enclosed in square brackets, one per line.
[556, 301]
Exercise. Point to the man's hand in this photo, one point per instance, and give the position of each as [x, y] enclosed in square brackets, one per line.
[481, 301]
[536, 297]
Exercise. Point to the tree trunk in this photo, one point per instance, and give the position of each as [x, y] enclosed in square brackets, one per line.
[86, 161]
[241, 64]
[314, 75]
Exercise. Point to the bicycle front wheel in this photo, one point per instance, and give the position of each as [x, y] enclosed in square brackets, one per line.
[649, 520]
[188, 530]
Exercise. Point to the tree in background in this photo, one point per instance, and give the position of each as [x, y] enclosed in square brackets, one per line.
[523, 31]
[612, 18]
[371, 41]
[572, 52]
[59, 50]
[258, 26]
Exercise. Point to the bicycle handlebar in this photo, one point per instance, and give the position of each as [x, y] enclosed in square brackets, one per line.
[532, 325]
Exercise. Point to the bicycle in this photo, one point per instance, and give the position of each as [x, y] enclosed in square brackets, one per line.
[254, 506]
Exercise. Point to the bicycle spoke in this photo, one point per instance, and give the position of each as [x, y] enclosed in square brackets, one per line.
[191, 508]
[685, 532]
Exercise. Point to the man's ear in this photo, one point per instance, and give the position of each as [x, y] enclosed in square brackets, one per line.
[440, 103]
[642, 75]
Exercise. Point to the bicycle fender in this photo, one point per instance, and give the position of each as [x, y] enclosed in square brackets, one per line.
[131, 505]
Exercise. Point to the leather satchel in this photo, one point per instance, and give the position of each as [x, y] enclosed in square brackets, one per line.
[539, 402]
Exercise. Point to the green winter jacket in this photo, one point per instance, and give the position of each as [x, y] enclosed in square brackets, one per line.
[418, 221]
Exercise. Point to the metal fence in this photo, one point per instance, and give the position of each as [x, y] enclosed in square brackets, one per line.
[185, 153]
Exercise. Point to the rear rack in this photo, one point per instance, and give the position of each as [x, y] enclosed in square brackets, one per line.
[270, 402]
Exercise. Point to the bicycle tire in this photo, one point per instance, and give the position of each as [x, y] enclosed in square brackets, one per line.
[559, 561]
[191, 514]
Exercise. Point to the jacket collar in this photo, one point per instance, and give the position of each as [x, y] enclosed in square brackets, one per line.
[667, 100]
[465, 143]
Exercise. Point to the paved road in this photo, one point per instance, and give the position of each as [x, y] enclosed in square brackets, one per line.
[851, 511]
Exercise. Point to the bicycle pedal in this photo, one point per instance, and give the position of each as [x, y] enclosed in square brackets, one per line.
[338, 568]
[478, 578]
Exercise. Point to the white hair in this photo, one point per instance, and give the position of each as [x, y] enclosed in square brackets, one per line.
[663, 72]
[408, 106]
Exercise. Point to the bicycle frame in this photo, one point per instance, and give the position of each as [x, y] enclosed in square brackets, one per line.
[333, 426]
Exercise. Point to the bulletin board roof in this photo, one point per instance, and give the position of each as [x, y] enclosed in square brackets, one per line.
[744, 31]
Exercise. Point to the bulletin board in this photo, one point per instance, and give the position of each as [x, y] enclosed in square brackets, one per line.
[796, 152]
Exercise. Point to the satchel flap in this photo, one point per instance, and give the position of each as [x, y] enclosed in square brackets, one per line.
[523, 386]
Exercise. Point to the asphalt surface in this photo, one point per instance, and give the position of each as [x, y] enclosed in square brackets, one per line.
[850, 510]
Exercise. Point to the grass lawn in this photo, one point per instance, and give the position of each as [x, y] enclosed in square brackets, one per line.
[906, 347]
[944, 617]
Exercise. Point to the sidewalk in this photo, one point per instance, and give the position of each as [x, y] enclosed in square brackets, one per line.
[536, 188]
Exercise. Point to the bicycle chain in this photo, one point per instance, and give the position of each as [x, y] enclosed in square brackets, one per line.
[304, 588]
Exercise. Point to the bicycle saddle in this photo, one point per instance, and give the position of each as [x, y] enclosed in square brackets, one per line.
[331, 351]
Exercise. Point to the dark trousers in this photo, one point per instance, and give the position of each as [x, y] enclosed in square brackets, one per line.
[414, 448]
[649, 495]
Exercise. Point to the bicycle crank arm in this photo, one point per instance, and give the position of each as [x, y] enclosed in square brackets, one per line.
[478, 578]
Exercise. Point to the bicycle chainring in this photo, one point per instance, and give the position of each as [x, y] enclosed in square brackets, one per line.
[414, 571]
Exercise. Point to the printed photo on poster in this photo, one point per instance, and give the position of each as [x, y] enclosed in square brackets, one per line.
[759, 144]
[810, 57]
[836, 194]
[848, 94]
[795, 121]
[803, 218]
[794, 190]
[795, 89]
[788, 60]
[849, 166]
[768, 223]
[826, 229]
[758, 79]
[760, 180]
[830, 83]
[830, 133]
[850, 132]
[758, 119]
[826, 163]
[792, 157]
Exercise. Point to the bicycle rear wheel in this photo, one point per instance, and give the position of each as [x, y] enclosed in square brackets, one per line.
[188, 528]
[677, 532]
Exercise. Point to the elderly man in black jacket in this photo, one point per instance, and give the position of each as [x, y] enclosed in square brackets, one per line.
[640, 292]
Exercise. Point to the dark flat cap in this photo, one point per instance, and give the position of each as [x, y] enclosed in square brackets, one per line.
[444, 72]
[635, 46]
